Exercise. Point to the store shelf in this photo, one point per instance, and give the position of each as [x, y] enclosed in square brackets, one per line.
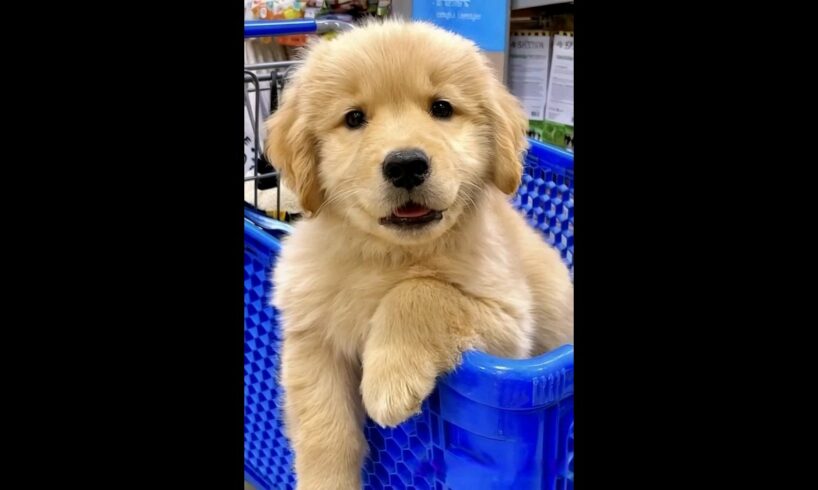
[525, 4]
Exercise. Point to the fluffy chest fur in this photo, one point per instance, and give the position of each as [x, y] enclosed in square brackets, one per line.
[332, 286]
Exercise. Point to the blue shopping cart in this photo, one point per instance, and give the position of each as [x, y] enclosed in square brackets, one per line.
[491, 424]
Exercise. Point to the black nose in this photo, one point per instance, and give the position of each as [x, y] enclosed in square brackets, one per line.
[406, 168]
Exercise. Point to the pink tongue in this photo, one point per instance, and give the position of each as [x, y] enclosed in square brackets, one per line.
[411, 210]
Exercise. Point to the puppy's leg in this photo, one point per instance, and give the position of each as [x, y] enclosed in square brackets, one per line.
[419, 331]
[323, 414]
[553, 300]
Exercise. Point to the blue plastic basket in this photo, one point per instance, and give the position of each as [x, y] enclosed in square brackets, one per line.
[491, 424]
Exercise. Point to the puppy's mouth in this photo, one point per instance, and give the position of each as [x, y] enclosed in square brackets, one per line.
[411, 215]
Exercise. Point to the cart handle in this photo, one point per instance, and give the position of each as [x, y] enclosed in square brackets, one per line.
[264, 28]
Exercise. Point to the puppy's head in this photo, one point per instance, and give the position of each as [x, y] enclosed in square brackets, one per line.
[398, 127]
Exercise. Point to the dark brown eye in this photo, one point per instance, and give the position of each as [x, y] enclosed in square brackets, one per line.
[442, 109]
[355, 119]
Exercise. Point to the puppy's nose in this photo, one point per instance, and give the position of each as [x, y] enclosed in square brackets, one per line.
[406, 168]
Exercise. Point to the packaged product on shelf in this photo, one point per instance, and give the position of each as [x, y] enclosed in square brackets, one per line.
[347, 10]
[358, 8]
[556, 126]
[382, 7]
[559, 107]
[286, 9]
[529, 56]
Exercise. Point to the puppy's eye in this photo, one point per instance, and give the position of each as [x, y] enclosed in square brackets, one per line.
[442, 109]
[355, 119]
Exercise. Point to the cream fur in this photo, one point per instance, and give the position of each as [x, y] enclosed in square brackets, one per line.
[371, 315]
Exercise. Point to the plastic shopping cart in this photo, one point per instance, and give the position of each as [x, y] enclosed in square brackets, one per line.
[492, 424]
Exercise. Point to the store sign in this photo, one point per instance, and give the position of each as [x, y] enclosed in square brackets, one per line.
[483, 21]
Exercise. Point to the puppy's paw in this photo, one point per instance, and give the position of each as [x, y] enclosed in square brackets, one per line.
[393, 391]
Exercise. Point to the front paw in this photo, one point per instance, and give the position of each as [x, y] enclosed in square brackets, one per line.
[393, 391]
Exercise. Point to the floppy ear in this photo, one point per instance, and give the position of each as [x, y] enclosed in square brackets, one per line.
[291, 148]
[509, 127]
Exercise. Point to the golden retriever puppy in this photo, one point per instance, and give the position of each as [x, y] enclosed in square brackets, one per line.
[403, 148]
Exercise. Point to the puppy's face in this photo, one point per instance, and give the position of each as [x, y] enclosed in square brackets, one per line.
[398, 127]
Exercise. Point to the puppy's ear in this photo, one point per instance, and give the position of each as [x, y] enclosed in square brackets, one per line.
[291, 148]
[509, 128]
